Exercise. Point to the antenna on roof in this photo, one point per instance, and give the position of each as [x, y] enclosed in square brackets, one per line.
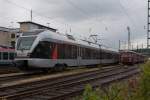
[70, 29]
[90, 30]
[31, 15]
[12, 24]
[48, 24]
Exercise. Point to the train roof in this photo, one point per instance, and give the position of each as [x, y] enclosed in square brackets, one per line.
[58, 37]
[130, 51]
[4, 49]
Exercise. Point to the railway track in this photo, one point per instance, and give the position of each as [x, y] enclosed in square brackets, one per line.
[58, 88]
[17, 76]
[8, 69]
[5, 78]
[21, 76]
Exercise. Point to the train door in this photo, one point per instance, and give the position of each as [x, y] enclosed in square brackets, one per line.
[55, 52]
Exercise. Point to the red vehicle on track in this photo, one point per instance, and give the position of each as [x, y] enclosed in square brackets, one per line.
[131, 57]
[7, 55]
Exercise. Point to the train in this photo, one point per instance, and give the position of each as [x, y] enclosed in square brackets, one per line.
[45, 49]
[128, 57]
[7, 55]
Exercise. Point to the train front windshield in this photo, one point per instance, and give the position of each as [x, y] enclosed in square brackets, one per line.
[25, 43]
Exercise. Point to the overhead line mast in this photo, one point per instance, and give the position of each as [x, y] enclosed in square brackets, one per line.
[148, 25]
[129, 38]
[31, 15]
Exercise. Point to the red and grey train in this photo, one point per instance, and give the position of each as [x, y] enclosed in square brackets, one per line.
[44, 49]
[7, 55]
[130, 57]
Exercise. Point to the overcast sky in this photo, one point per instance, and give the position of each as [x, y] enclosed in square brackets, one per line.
[107, 18]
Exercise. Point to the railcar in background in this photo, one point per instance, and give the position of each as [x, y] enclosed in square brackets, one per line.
[44, 49]
[7, 55]
[130, 57]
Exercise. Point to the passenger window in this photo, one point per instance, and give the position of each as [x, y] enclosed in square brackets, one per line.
[5, 55]
[11, 56]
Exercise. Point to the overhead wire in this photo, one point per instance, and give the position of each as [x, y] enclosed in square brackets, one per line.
[126, 13]
[84, 13]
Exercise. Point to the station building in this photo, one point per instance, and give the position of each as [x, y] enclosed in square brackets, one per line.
[8, 36]
[28, 26]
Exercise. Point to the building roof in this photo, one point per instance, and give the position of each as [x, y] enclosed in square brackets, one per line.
[29, 22]
[4, 29]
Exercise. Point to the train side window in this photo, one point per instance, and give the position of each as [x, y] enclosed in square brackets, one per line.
[5, 55]
[42, 50]
[73, 52]
[80, 51]
[84, 53]
[68, 51]
[61, 54]
[47, 51]
[11, 56]
[103, 55]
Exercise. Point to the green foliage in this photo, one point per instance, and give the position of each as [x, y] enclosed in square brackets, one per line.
[90, 94]
[145, 82]
[110, 93]
[134, 89]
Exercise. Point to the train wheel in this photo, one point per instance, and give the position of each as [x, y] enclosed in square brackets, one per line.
[59, 67]
[45, 70]
[22, 65]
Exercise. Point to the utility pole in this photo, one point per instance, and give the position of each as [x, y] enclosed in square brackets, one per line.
[31, 15]
[148, 24]
[12, 24]
[48, 24]
[70, 30]
[142, 46]
[90, 30]
[137, 46]
[129, 38]
[119, 45]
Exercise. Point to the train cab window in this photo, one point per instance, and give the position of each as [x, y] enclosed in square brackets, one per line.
[5, 55]
[25, 43]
